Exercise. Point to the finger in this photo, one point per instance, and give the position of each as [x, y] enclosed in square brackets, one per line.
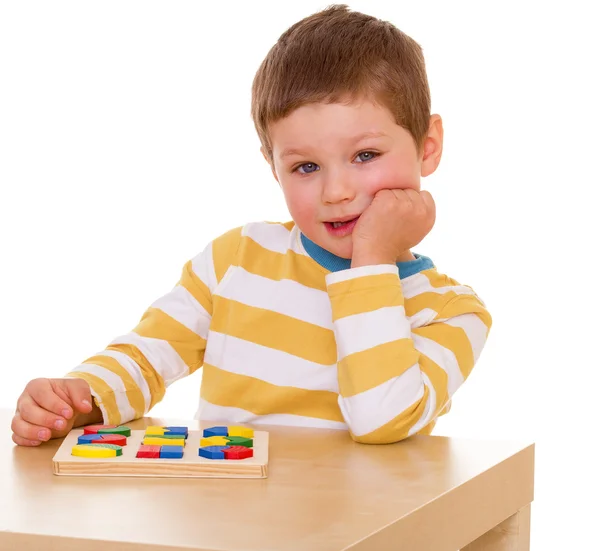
[428, 201]
[79, 393]
[24, 442]
[29, 431]
[33, 413]
[43, 394]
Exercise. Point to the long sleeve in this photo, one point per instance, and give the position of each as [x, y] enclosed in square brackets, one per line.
[404, 347]
[131, 375]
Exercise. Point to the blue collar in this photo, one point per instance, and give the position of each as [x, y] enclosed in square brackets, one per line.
[334, 263]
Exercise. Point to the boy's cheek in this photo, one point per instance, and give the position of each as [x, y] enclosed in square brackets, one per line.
[398, 177]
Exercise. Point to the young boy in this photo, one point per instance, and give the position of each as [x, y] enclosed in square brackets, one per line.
[330, 320]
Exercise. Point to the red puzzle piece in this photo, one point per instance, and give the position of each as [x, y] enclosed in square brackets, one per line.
[115, 439]
[238, 452]
[149, 452]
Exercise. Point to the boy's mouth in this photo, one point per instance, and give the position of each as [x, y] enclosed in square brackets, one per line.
[341, 227]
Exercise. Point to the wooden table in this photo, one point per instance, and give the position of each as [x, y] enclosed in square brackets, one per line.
[324, 493]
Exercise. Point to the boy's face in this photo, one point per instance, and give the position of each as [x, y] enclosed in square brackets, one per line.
[331, 160]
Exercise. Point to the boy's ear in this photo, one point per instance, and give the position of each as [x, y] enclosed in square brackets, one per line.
[264, 153]
[433, 146]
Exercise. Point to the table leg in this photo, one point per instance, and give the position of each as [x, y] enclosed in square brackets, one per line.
[510, 535]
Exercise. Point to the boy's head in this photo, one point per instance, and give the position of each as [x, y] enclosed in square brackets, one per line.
[341, 105]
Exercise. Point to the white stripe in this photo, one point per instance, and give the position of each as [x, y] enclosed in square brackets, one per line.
[362, 271]
[419, 283]
[475, 329]
[364, 331]
[267, 364]
[373, 408]
[161, 355]
[285, 296]
[296, 242]
[273, 237]
[429, 411]
[204, 268]
[422, 318]
[116, 384]
[444, 358]
[134, 370]
[181, 305]
[230, 415]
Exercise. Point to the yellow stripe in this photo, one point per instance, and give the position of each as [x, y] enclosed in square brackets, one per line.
[396, 429]
[430, 300]
[226, 389]
[274, 330]
[132, 390]
[224, 251]
[156, 324]
[196, 287]
[440, 280]
[454, 339]
[105, 393]
[156, 383]
[467, 305]
[370, 368]
[438, 378]
[277, 266]
[365, 294]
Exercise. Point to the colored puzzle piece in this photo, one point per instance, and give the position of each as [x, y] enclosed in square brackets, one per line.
[96, 450]
[238, 452]
[240, 431]
[183, 431]
[107, 429]
[160, 441]
[115, 439]
[171, 452]
[155, 431]
[215, 431]
[212, 452]
[214, 441]
[240, 441]
[148, 452]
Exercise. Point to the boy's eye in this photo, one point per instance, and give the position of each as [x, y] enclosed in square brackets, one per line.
[307, 168]
[366, 156]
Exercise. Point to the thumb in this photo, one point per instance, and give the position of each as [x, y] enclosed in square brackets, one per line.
[80, 394]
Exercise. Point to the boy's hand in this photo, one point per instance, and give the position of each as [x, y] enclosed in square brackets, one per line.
[394, 222]
[49, 408]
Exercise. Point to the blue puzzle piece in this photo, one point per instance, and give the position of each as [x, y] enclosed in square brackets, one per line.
[215, 431]
[87, 438]
[177, 430]
[171, 452]
[212, 452]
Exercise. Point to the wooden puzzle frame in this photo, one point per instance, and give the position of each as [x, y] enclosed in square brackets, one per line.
[191, 465]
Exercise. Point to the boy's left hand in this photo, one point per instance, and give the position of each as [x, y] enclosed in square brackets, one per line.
[394, 222]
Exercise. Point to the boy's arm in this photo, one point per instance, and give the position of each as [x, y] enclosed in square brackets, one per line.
[131, 375]
[398, 372]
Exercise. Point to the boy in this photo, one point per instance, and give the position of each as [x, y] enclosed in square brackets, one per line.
[330, 320]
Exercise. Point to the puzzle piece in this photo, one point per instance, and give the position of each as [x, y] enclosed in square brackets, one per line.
[96, 450]
[171, 452]
[212, 452]
[149, 452]
[215, 431]
[214, 441]
[102, 439]
[240, 441]
[160, 441]
[107, 429]
[238, 452]
[240, 431]
[177, 430]
[155, 431]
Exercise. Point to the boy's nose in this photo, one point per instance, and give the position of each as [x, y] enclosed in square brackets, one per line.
[338, 188]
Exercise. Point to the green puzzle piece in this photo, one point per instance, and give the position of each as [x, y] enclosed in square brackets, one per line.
[122, 430]
[240, 441]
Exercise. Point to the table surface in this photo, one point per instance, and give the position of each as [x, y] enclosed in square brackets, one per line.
[324, 492]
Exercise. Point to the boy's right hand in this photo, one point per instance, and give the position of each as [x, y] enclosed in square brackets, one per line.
[48, 408]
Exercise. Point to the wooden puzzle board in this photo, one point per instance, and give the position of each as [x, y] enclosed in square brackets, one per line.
[191, 465]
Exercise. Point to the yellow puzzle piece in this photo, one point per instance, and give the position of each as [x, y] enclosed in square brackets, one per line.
[158, 441]
[214, 441]
[155, 431]
[83, 450]
[240, 431]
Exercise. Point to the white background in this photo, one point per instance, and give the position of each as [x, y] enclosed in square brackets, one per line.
[126, 144]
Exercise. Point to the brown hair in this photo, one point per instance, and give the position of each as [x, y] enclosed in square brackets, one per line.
[337, 55]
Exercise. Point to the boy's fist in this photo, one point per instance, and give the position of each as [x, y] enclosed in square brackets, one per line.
[48, 408]
[394, 222]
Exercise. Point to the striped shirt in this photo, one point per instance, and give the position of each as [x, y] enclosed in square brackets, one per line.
[283, 340]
